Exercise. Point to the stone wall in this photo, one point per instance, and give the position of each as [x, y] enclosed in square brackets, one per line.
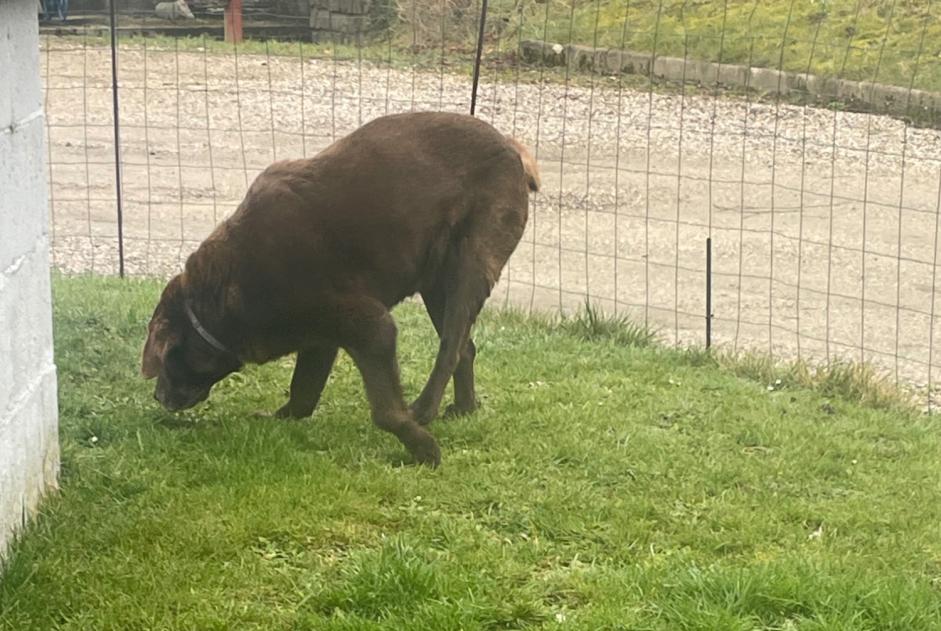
[339, 20]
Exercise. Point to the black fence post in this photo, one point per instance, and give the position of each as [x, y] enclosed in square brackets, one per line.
[117, 138]
[708, 292]
[480, 48]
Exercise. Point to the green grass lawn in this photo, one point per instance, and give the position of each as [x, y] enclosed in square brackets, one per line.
[888, 41]
[601, 486]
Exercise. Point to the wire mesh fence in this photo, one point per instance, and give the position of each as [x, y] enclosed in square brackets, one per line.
[800, 138]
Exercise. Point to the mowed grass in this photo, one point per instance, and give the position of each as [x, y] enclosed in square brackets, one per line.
[603, 485]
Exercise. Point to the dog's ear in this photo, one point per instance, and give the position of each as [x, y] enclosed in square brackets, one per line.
[161, 336]
[160, 340]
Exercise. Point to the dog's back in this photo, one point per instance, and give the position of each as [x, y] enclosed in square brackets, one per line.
[381, 207]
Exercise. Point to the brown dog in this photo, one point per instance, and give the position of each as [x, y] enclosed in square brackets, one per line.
[320, 250]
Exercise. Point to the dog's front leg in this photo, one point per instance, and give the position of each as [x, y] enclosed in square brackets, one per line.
[310, 376]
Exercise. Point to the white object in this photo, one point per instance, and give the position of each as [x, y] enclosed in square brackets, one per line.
[173, 10]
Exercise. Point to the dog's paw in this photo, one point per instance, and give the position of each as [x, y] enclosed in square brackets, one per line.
[454, 411]
[423, 447]
[428, 454]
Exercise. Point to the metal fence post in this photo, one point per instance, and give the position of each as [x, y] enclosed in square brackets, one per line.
[708, 292]
[480, 48]
[117, 138]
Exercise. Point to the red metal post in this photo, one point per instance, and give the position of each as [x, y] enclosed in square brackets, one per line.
[233, 21]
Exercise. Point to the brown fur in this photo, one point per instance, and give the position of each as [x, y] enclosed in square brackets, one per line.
[320, 250]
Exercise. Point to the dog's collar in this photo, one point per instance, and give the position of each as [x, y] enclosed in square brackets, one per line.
[203, 333]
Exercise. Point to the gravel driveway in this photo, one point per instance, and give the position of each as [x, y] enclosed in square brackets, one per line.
[823, 223]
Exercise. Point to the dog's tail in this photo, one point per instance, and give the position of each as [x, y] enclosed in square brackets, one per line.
[529, 165]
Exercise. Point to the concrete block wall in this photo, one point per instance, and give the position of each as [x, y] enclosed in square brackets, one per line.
[29, 448]
[339, 20]
[919, 105]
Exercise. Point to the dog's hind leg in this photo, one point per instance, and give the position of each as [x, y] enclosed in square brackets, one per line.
[311, 370]
[470, 272]
[465, 397]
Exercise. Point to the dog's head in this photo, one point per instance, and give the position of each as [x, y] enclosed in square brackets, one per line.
[184, 363]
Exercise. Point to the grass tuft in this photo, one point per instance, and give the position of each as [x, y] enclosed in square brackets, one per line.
[850, 381]
[383, 582]
[591, 325]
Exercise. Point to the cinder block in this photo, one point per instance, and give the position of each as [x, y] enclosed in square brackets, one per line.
[579, 57]
[851, 91]
[19, 61]
[347, 23]
[26, 334]
[733, 75]
[531, 51]
[765, 80]
[635, 63]
[23, 190]
[794, 82]
[29, 457]
[672, 68]
[889, 98]
[828, 87]
[703, 72]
